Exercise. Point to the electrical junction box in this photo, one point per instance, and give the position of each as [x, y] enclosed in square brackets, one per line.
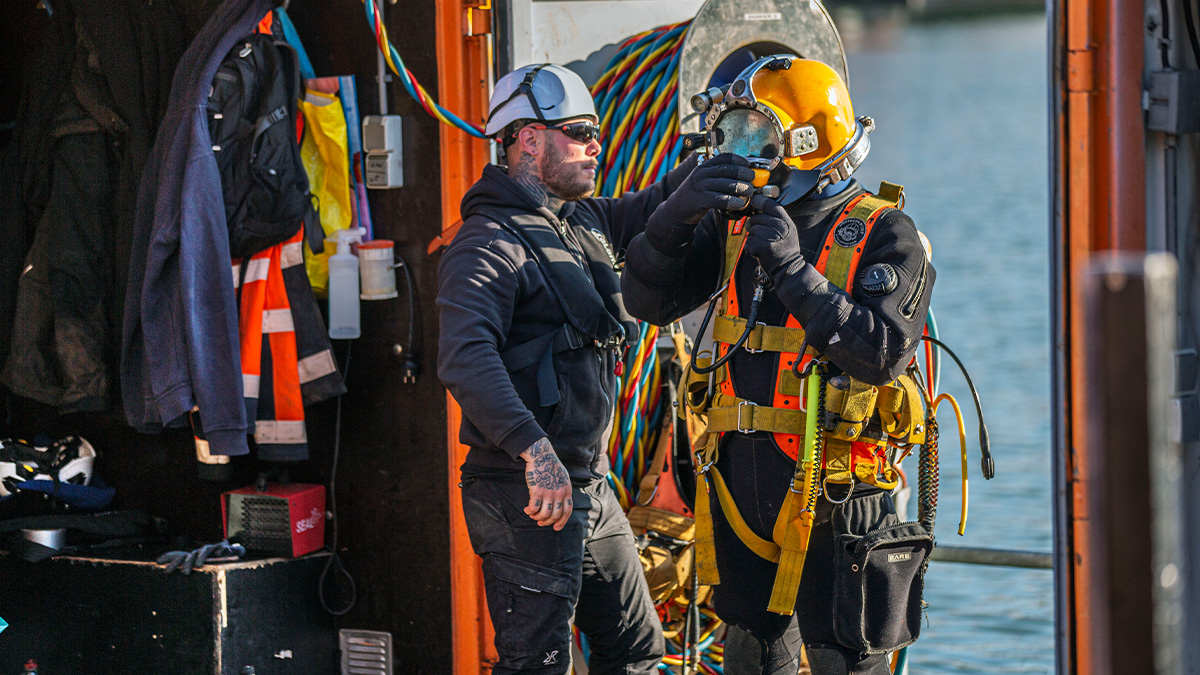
[1172, 101]
[381, 139]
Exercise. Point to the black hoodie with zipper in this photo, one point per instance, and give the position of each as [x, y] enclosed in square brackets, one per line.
[518, 279]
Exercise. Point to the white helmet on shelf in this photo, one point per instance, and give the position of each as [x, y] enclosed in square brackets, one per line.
[544, 92]
[68, 460]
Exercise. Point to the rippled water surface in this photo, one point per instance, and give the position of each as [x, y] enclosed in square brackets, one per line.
[962, 124]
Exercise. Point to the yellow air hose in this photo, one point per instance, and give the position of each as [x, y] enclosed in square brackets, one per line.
[962, 440]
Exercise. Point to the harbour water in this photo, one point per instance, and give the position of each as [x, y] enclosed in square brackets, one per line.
[961, 110]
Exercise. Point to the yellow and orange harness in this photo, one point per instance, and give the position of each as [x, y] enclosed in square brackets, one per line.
[829, 450]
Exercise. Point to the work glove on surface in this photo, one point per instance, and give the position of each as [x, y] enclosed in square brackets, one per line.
[190, 560]
[771, 238]
[723, 182]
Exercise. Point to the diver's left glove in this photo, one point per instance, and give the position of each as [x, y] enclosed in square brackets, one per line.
[722, 182]
[195, 559]
[771, 238]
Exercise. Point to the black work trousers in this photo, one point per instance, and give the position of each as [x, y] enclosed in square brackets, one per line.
[758, 476]
[538, 580]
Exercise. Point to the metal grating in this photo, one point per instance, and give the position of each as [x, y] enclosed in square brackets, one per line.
[261, 524]
[365, 652]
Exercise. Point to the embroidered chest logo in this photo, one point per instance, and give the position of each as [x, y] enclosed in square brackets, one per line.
[551, 657]
[612, 257]
[849, 232]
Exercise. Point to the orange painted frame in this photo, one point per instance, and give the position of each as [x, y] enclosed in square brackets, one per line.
[464, 77]
[1102, 162]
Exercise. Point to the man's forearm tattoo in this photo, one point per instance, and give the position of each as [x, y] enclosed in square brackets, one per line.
[545, 471]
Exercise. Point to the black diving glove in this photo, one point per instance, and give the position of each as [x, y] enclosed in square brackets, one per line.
[190, 560]
[723, 182]
[771, 238]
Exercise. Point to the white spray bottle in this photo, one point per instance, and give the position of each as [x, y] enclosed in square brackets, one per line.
[343, 286]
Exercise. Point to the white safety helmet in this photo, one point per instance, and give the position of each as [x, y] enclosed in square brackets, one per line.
[68, 460]
[544, 92]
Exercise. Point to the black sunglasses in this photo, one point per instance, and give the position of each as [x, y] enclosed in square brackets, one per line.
[584, 132]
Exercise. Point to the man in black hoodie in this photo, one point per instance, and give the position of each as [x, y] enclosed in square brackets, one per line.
[533, 332]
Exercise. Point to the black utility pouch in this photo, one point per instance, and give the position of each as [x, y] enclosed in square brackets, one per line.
[877, 592]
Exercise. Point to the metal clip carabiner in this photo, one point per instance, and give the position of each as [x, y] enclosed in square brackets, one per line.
[836, 502]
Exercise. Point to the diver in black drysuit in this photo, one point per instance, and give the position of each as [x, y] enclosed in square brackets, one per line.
[672, 269]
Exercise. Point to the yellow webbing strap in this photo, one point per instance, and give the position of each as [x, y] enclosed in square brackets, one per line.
[728, 328]
[693, 389]
[733, 250]
[794, 525]
[679, 340]
[764, 549]
[891, 192]
[730, 413]
[706, 550]
[649, 485]
[916, 409]
[841, 258]
[642, 518]
[890, 405]
[838, 458]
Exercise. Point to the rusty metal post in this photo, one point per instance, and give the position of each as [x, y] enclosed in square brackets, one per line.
[1134, 501]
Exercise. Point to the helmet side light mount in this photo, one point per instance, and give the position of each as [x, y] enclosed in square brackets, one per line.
[801, 140]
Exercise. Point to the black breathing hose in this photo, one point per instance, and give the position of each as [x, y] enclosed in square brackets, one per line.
[760, 286]
[985, 444]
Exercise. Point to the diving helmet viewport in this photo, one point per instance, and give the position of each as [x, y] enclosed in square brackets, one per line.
[787, 110]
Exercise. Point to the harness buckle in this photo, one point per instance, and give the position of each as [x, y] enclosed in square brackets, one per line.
[745, 428]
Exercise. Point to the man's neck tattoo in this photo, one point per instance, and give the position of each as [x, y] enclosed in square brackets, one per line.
[524, 172]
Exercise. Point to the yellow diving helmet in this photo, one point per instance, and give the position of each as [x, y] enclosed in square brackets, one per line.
[785, 109]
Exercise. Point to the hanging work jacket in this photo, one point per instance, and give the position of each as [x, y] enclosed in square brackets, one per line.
[286, 358]
[180, 344]
[532, 320]
[92, 103]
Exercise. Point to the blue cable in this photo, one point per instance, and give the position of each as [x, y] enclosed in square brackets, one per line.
[937, 353]
[408, 85]
[293, 38]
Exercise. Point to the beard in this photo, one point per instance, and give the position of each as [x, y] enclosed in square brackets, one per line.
[565, 181]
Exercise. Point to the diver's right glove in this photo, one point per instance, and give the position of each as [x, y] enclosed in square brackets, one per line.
[723, 182]
[771, 238]
[190, 560]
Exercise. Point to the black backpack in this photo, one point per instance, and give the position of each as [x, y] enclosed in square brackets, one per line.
[252, 123]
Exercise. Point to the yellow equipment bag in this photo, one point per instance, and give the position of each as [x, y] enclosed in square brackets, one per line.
[325, 153]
